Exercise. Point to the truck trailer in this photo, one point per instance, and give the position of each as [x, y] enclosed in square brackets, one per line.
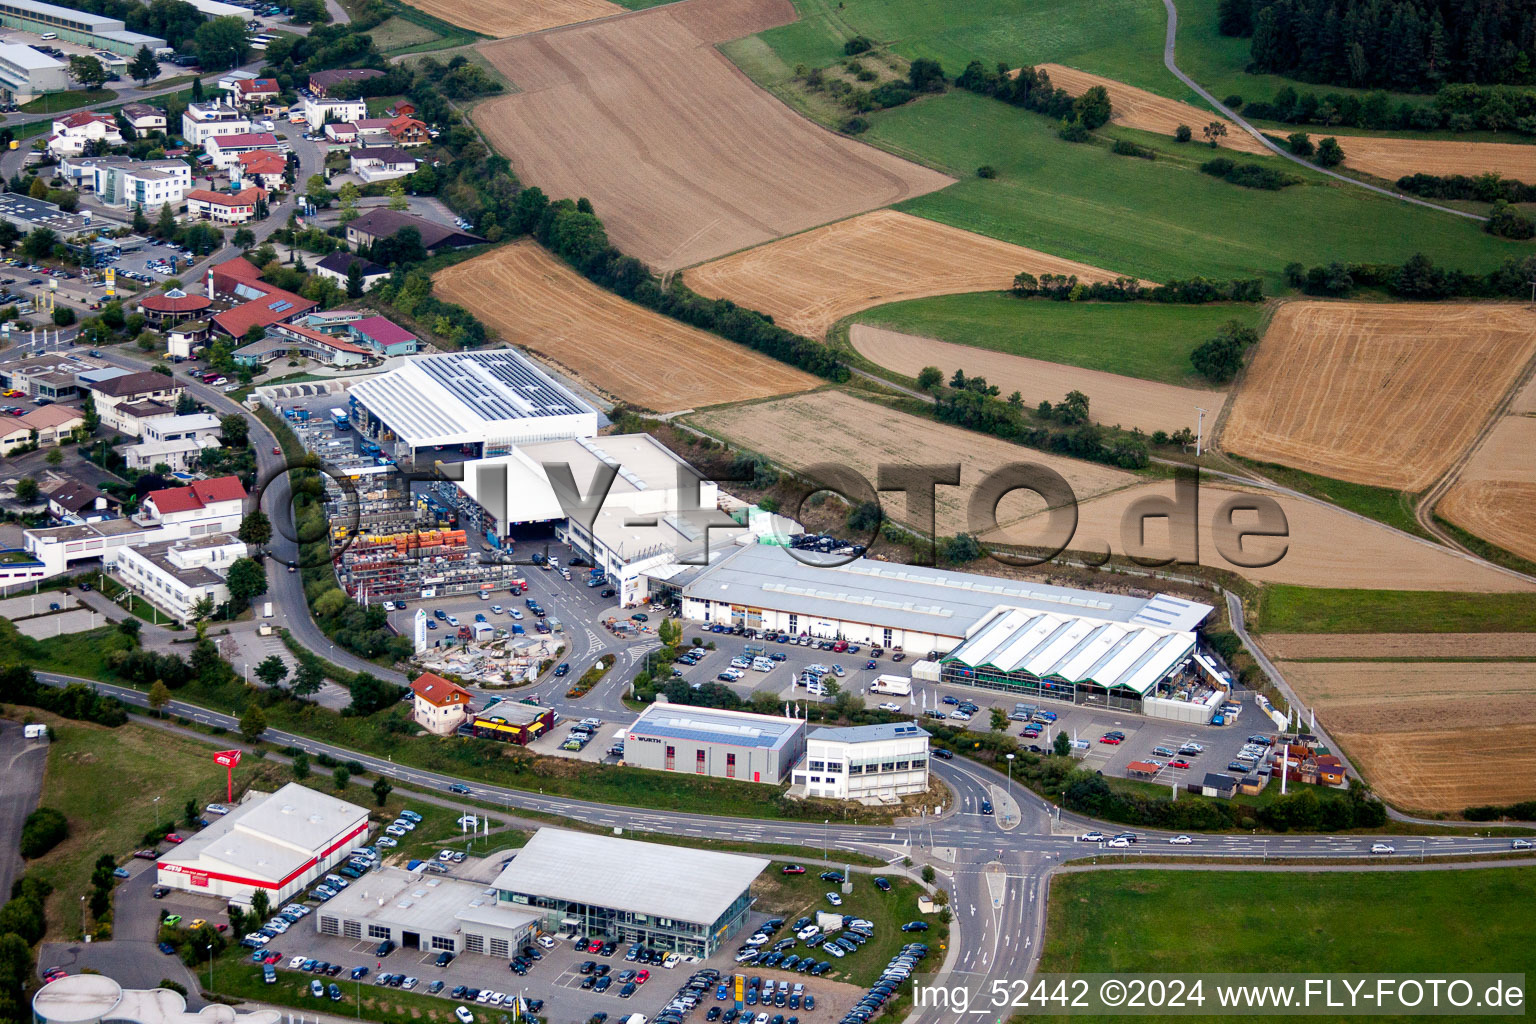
[900, 686]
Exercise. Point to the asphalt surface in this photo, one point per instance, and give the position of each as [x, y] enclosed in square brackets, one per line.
[21, 783]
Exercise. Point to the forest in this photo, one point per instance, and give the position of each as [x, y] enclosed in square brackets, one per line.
[1402, 45]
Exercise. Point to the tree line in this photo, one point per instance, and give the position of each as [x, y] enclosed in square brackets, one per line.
[1031, 89]
[1455, 107]
[1192, 291]
[1404, 45]
[1417, 278]
[1484, 188]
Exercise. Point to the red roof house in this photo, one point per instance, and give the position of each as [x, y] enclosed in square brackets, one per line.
[441, 706]
[193, 497]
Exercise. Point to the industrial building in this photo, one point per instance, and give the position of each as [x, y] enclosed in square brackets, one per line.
[870, 763]
[26, 74]
[174, 575]
[485, 401]
[1027, 639]
[277, 842]
[122, 181]
[667, 897]
[74, 26]
[426, 912]
[713, 741]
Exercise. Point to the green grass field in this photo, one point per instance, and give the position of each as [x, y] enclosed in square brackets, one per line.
[794, 896]
[1288, 609]
[1141, 339]
[1155, 219]
[54, 102]
[1166, 921]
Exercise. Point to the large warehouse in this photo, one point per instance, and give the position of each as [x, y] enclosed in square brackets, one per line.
[415, 910]
[278, 842]
[1029, 639]
[484, 401]
[668, 897]
[714, 741]
[74, 26]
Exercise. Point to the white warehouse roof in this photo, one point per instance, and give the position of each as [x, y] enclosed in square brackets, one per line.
[497, 397]
[270, 838]
[24, 56]
[648, 878]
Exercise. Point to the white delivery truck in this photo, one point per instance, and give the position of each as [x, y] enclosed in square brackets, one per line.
[900, 686]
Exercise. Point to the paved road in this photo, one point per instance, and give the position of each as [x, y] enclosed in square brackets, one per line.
[21, 783]
[1227, 112]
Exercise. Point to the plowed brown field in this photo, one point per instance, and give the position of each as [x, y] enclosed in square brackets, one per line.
[1495, 495]
[1137, 108]
[616, 347]
[1388, 394]
[810, 281]
[1290, 646]
[1393, 158]
[499, 18]
[684, 158]
[1327, 547]
[1430, 735]
[833, 426]
[1112, 399]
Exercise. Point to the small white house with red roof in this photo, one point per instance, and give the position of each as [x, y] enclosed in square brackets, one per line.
[255, 90]
[204, 507]
[225, 150]
[441, 705]
[224, 207]
[72, 133]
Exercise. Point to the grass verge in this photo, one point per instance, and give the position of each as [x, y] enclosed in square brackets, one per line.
[1284, 608]
[1486, 549]
[1383, 504]
[54, 102]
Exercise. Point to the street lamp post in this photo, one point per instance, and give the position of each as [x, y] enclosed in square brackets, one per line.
[1010, 776]
[210, 967]
[826, 828]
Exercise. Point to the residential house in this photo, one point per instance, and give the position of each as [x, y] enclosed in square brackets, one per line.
[225, 207]
[440, 705]
[185, 341]
[176, 456]
[202, 427]
[409, 132]
[262, 168]
[174, 575]
[123, 403]
[384, 223]
[402, 109]
[71, 134]
[52, 423]
[383, 337]
[144, 118]
[295, 339]
[254, 90]
[319, 111]
[342, 133]
[321, 82]
[75, 501]
[381, 163]
[207, 506]
[13, 434]
[337, 265]
[225, 150]
[203, 121]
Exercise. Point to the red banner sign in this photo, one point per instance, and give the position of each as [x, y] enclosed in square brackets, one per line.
[227, 758]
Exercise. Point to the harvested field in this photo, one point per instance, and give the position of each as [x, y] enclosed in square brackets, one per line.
[1290, 646]
[682, 156]
[1430, 735]
[1138, 108]
[812, 280]
[1495, 494]
[1112, 399]
[1393, 158]
[1524, 402]
[833, 426]
[498, 18]
[1327, 547]
[1387, 394]
[619, 349]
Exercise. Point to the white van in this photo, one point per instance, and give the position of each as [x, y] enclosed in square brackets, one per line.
[49, 35]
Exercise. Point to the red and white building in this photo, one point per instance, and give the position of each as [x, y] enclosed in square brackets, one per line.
[262, 168]
[225, 150]
[254, 90]
[441, 705]
[71, 134]
[224, 207]
[199, 509]
[276, 842]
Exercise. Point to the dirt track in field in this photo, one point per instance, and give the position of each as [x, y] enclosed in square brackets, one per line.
[811, 280]
[1291, 646]
[1388, 394]
[1393, 158]
[1326, 547]
[1430, 735]
[832, 426]
[619, 349]
[1495, 494]
[1112, 398]
[498, 18]
[682, 156]
[1138, 108]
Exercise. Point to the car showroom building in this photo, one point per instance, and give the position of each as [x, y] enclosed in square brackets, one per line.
[667, 897]
[277, 842]
[713, 741]
[425, 911]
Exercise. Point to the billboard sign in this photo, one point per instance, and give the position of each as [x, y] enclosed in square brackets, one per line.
[227, 758]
